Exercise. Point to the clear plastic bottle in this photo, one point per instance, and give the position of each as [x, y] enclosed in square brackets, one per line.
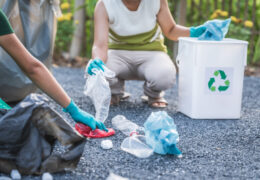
[135, 142]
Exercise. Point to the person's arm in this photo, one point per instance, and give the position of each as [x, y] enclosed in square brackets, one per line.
[101, 28]
[34, 69]
[169, 27]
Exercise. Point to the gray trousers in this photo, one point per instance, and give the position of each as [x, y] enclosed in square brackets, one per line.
[153, 67]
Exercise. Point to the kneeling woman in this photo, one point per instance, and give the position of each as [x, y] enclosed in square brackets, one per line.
[41, 76]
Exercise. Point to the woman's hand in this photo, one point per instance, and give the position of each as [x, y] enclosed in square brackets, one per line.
[95, 64]
[81, 116]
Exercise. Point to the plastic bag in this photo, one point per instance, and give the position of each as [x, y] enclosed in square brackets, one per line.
[29, 133]
[216, 30]
[34, 24]
[161, 133]
[98, 90]
[97, 133]
[134, 144]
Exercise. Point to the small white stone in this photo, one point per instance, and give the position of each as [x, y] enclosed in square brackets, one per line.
[180, 156]
[113, 176]
[47, 176]
[15, 174]
[106, 144]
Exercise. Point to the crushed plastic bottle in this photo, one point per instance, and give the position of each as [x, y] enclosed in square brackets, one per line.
[47, 176]
[113, 176]
[98, 90]
[107, 144]
[124, 125]
[15, 174]
[135, 143]
[136, 146]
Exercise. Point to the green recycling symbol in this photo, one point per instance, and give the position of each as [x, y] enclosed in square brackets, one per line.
[223, 77]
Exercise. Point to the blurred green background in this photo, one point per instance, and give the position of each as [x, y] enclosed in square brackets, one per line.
[245, 15]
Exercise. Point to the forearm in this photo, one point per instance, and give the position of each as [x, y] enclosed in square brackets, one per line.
[42, 78]
[178, 31]
[99, 52]
[34, 69]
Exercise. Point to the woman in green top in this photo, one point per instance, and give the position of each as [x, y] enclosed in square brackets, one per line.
[40, 75]
[128, 38]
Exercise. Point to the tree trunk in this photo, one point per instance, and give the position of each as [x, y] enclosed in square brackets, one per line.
[79, 23]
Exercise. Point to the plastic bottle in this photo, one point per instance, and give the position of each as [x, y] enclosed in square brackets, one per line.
[134, 144]
[124, 125]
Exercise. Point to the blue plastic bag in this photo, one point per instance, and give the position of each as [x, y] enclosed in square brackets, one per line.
[161, 133]
[216, 30]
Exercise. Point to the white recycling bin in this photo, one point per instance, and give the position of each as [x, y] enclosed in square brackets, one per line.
[211, 77]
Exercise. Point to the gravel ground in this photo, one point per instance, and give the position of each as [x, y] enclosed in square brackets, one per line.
[212, 149]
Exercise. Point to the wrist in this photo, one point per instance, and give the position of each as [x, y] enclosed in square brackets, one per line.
[192, 31]
[71, 108]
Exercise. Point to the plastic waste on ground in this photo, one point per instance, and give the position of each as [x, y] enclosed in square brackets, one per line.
[15, 174]
[136, 146]
[97, 133]
[107, 144]
[98, 90]
[124, 125]
[3, 105]
[5, 178]
[135, 143]
[216, 30]
[34, 23]
[161, 133]
[28, 134]
[113, 176]
[47, 176]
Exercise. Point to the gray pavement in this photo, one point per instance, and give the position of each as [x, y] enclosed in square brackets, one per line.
[212, 149]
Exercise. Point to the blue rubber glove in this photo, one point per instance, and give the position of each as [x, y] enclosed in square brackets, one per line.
[95, 64]
[81, 116]
[197, 31]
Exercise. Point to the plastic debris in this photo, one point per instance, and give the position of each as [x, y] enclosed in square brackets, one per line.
[113, 176]
[136, 146]
[15, 174]
[216, 30]
[98, 90]
[5, 178]
[106, 144]
[47, 176]
[124, 125]
[161, 133]
[97, 133]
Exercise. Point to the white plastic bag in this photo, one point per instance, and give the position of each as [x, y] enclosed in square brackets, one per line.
[98, 90]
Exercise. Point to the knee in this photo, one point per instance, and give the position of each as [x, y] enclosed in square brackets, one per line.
[163, 79]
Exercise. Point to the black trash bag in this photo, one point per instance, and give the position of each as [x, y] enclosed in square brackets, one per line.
[34, 23]
[28, 133]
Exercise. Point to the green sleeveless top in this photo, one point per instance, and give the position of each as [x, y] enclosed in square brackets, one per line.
[148, 41]
[5, 27]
